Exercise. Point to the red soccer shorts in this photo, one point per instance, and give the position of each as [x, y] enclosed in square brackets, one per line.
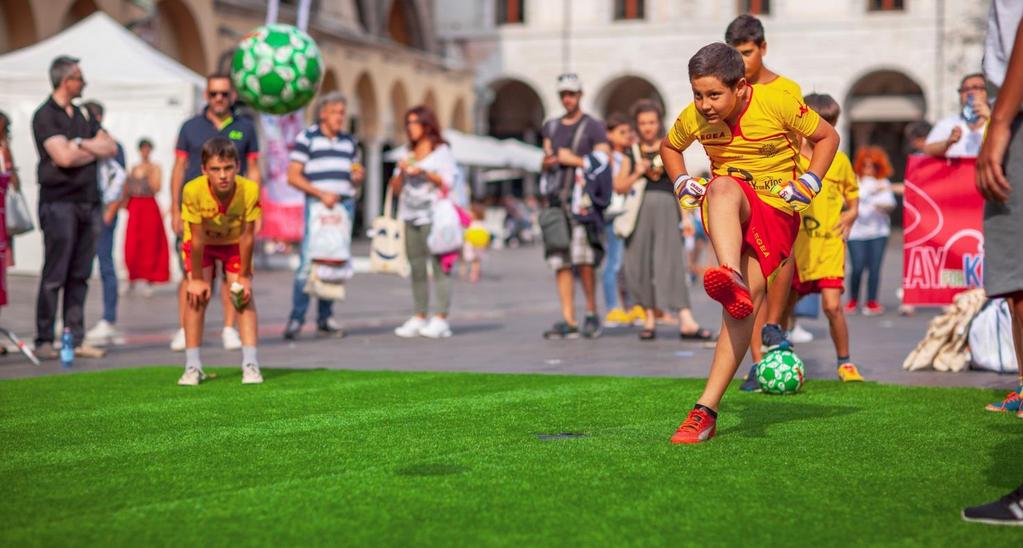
[768, 234]
[228, 254]
[815, 286]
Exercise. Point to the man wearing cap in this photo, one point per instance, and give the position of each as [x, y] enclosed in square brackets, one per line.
[575, 140]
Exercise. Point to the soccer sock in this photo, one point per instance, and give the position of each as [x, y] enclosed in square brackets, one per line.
[713, 414]
[192, 358]
[249, 355]
[842, 360]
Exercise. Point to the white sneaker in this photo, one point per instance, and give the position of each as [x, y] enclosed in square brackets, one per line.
[411, 327]
[251, 374]
[798, 335]
[231, 339]
[178, 342]
[438, 328]
[192, 377]
[102, 334]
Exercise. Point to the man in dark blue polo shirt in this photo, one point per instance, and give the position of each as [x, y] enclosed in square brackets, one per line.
[216, 120]
[69, 144]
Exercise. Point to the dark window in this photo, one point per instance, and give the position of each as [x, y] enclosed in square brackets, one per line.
[886, 5]
[511, 11]
[629, 9]
[755, 7]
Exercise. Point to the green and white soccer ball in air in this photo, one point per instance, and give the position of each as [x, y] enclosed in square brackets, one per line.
[780, 372]
[277, 69]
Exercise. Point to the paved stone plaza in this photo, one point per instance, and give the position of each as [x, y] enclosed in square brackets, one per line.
[497, 323]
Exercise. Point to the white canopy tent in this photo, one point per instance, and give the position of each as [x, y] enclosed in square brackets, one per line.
[145, 94]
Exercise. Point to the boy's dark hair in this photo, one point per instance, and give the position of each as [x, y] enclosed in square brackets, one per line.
[745, 28]
[720, 61]
[647, 105]
[145, 142]
[219, 76]
[616, 119]
[824, 105]
[219, 147]
[95, 108]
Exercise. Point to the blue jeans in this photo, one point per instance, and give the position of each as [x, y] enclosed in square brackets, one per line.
[105, 252]
[866, 255]
[615, 250]
[299, 298]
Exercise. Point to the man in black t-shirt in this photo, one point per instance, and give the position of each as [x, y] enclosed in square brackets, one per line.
[566, 142]
[69, 143]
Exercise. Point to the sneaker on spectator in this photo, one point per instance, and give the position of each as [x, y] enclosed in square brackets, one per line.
[852, 306]
[561, 330]
[798, 335]
[617, 317]
[178, 342]
[46, 352]
[873, 308]
[436, 328]
[591, 327]
[1007, 510]
[637, 315]
[231, 339]
[329, 328]
[292, 329]
[86, 350]
[411, 327]
[103, 333]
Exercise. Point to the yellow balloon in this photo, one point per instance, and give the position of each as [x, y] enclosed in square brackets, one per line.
[477, 237]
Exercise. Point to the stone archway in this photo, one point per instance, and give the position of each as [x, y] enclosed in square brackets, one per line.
[399, 106]
[405, 25]
[430, 102]
[177, 34]
[17, 25]
[515, 111]
[622, 93]
[878, 107]
[459, 116]
[365, 116]
[78, 11]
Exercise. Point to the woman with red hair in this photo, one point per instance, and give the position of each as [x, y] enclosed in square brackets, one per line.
[869, 235]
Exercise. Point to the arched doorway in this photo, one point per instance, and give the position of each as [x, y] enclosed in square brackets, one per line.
[364, 111]
[878, 108]
[17, 25]
[399, 106]
[329, 82]
[177, 35]
[404, 24]
[621, 94]
[430, 102]
[459, 117]
[78, 11]
[515, 111]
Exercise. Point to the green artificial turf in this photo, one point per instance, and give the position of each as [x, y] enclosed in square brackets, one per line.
[336, 457]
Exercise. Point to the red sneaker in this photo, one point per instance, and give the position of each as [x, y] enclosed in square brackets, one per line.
[726, 286]
[852, 306]
[698, 427]
[873, 308]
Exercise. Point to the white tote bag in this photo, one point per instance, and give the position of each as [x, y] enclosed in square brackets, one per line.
[625, 223]
[446, 234]
[387, 248]
[990, 338]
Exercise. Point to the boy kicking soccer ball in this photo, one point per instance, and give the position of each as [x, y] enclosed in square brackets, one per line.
[820, 245]
[219, 210]
[750, 208]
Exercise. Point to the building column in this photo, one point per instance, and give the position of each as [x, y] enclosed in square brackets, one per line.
[374, 180]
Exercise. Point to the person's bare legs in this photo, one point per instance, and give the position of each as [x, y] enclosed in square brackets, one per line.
[588, 277]
[566, 287]
[831, 303]
[1016, 310]
[734, 340]
[247, 320]
[230, 314]
[182, 302]
[194, 317]
[724, 198]
[687, 322]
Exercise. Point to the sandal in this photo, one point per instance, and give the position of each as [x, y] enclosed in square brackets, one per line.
[647, 335]
[700, 334]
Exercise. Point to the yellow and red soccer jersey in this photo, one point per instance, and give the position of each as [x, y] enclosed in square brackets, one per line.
[782, 83]
[760, 148]
[819, 248]
[222, 222]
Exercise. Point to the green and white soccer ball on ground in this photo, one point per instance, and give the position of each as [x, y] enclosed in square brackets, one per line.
[780, 372]
[277, 69]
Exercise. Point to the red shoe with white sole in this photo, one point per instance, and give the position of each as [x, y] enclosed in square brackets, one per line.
[727, 287]
[698, 427]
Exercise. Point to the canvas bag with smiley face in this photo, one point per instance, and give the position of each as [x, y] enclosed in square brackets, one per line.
[387, 247]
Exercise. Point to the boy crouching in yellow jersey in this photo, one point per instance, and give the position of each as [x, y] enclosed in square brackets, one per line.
[219, 210]
[750, 208]
[820, 245]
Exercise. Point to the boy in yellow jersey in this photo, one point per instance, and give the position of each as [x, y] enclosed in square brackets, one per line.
[750, 208]
[219, 210]
[820, 245]
[746, 34]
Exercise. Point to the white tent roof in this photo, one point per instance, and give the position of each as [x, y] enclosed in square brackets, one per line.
[486, 152]
[109, 53]
[146, 94]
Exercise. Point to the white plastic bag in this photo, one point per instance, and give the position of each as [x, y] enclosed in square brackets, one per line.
[446, 235]
[990, 339]
[330, 233]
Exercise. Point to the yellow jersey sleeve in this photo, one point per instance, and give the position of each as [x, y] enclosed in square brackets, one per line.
[792, 112]
[844, 176]
[684, 131]
[782, 83]
[253, 207]
[191, 206]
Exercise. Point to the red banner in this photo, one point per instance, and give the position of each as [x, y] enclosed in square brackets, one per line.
[944, 238]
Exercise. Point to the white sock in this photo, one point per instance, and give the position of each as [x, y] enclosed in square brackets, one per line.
[249, 356]
[192, 358]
